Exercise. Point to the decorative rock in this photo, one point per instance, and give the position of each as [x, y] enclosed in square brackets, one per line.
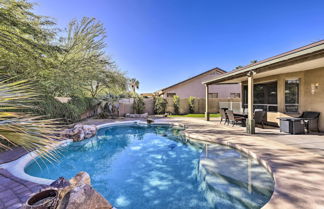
[149, 120]
[60, 183]
[81, 178]
[84, 197]
[79, 194]
[80, 132]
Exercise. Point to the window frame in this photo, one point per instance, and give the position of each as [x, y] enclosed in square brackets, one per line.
[298, 95]
[235, 95]
[213, 93]
[171, 95]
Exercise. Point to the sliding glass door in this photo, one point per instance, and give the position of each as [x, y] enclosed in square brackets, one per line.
[265, 96]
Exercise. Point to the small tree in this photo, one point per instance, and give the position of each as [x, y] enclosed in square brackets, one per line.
[134, 84]
[159, 105]
[138, 105]
[176, 104]
[191, 101]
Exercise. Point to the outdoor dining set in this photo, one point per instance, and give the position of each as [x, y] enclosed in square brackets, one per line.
[234, 118]
[305, 123]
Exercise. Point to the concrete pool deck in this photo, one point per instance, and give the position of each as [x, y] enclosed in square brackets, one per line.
[296, 162]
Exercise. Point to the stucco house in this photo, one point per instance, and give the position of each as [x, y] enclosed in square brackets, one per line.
[284, 85]
[193, 87]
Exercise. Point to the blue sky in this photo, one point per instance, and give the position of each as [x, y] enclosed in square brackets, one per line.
[161, 42]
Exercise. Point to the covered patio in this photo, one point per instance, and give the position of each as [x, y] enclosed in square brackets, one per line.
[284, 85]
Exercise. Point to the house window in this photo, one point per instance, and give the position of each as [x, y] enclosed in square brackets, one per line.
[213, 95]
[171, 94]
[235, 95]
[291, 95]
[265, 96]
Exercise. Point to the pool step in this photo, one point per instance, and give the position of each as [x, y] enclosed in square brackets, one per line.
[228, 176]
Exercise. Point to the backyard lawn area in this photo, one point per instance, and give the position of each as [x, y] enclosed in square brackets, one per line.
[195, 115]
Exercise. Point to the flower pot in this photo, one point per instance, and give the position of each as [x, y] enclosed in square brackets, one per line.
[46, 199]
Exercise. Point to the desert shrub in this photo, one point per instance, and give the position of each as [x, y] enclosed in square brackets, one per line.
[191, 101]
[159, 105]
[69, 112]
[176, 104]
[138, 105]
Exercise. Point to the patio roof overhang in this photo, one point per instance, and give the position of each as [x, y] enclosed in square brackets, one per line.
[301, 59]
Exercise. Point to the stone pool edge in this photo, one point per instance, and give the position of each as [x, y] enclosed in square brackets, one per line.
[17, 167]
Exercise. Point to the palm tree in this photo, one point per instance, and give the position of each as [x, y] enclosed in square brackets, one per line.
[18, 127]
[134, 84]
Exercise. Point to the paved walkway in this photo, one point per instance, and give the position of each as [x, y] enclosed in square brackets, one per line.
[14, 191]
[11, 155]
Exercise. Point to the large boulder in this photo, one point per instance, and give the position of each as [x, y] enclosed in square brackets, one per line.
[80, 132]
[60, 183]
[81, 178]
[79, 194]
[84, 197]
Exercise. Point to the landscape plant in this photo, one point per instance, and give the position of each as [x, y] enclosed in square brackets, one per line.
[19, 127]
[72, 63]
[176, 104]
[191, 101]
[138, 105]
[69, 112]
[133, 84]
[159, 105]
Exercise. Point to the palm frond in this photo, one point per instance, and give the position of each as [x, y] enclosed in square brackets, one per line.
[20, 128]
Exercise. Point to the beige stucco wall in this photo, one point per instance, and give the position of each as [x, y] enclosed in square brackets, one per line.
[307, 100]
[314, 102]
[195, 88]
[200, 105]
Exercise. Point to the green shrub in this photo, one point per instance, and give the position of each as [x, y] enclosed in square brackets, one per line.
[138, 105]
[159, 105]
[69, 112]
[176, 104]
[191, 101]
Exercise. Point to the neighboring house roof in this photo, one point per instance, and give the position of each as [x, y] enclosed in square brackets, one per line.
[196, 76]
[309, 49]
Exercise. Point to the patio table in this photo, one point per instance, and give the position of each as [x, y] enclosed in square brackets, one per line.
[292, 125]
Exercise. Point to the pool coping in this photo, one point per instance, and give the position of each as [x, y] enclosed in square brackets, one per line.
[17, 167]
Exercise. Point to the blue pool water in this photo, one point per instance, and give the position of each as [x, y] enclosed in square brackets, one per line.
[153, 167]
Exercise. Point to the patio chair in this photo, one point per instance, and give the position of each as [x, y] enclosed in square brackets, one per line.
[223, 115]
[234, 119]
[259, 117]
[310, 120]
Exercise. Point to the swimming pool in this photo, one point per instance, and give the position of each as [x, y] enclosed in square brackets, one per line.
[140, 166]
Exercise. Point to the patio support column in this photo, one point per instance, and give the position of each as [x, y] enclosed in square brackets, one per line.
[207, 105]
[250, 125]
